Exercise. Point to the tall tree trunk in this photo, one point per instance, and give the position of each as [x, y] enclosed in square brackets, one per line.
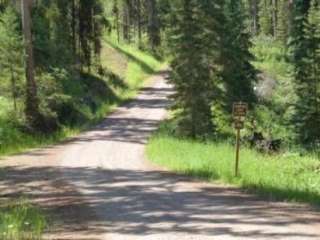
[153, 25]
[74, 38]
[126, 23]
[32, 102]
[117, 18]
[274, 17]
[13, 89]
[253, 8]
[139, 21]
[255, 16]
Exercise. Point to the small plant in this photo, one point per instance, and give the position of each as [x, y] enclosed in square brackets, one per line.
[21, 220]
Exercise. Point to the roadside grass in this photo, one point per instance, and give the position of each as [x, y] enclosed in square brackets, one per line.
[286, 176]
[20, 220]
[126, 71]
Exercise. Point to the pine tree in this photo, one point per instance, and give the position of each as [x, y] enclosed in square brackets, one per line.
[238, 73]
[307, 73]
[194, 42]
[11, 51]
[32, 111]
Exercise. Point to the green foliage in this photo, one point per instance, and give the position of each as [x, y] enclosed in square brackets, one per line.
[20, 220]
[193, 41]
[11, 56]
[211, 64]
[78, 106]
[287, 176]
[265, 17]
[284, 19]
[238, 74]
[305, 46]
[270, 56]
[274, 112]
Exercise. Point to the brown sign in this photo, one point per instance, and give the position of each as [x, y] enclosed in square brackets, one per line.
[239, 125]
[240, 109]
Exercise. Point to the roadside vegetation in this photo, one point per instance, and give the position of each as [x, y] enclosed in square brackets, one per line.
[126, 70]
[275, 109]
[66, 64]
[289, 175]
[71, 73]
[75, 81]
[200, 141]
[20, 220]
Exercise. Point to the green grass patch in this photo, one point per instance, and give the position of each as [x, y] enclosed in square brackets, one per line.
[86, 100]
[15, 141]
[286, 176]
[21, 220]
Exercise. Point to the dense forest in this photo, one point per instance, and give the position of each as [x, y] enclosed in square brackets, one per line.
[66, 65]
[51, 62]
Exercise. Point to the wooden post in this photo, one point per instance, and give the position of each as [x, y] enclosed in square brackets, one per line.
[240, 110]
[237, 153]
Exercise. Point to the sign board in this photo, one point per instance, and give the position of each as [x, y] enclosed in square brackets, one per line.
[240, 109]
[239, 125]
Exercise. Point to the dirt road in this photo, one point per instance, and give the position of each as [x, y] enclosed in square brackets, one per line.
[99, 186]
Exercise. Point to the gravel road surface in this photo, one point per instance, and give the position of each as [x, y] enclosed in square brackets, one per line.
[99, 186]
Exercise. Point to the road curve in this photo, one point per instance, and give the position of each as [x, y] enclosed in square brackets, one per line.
[101, 187]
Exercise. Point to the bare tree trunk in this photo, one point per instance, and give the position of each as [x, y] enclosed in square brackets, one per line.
[253, 8]
[32, 102]
[274, 17]
[153, 26]
[139, 21]
[255, 16]
[117, 16]
[126, 23]
[13, 89]
[290, 10]
[74, 38]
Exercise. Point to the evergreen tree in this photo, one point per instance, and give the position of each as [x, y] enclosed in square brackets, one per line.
[11, 51]
[32, 112]
[307, 72]
[194, 44]
[238, 73]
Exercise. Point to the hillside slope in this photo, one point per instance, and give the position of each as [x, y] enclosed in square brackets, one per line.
[86, 99]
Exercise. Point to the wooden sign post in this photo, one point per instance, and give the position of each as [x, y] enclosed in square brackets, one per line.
[240, 110]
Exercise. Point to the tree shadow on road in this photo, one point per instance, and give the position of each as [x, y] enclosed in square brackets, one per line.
[94, 201]
[149, 202]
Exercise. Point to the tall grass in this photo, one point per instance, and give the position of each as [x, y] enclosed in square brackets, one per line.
[20, 221]
[286, 176]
